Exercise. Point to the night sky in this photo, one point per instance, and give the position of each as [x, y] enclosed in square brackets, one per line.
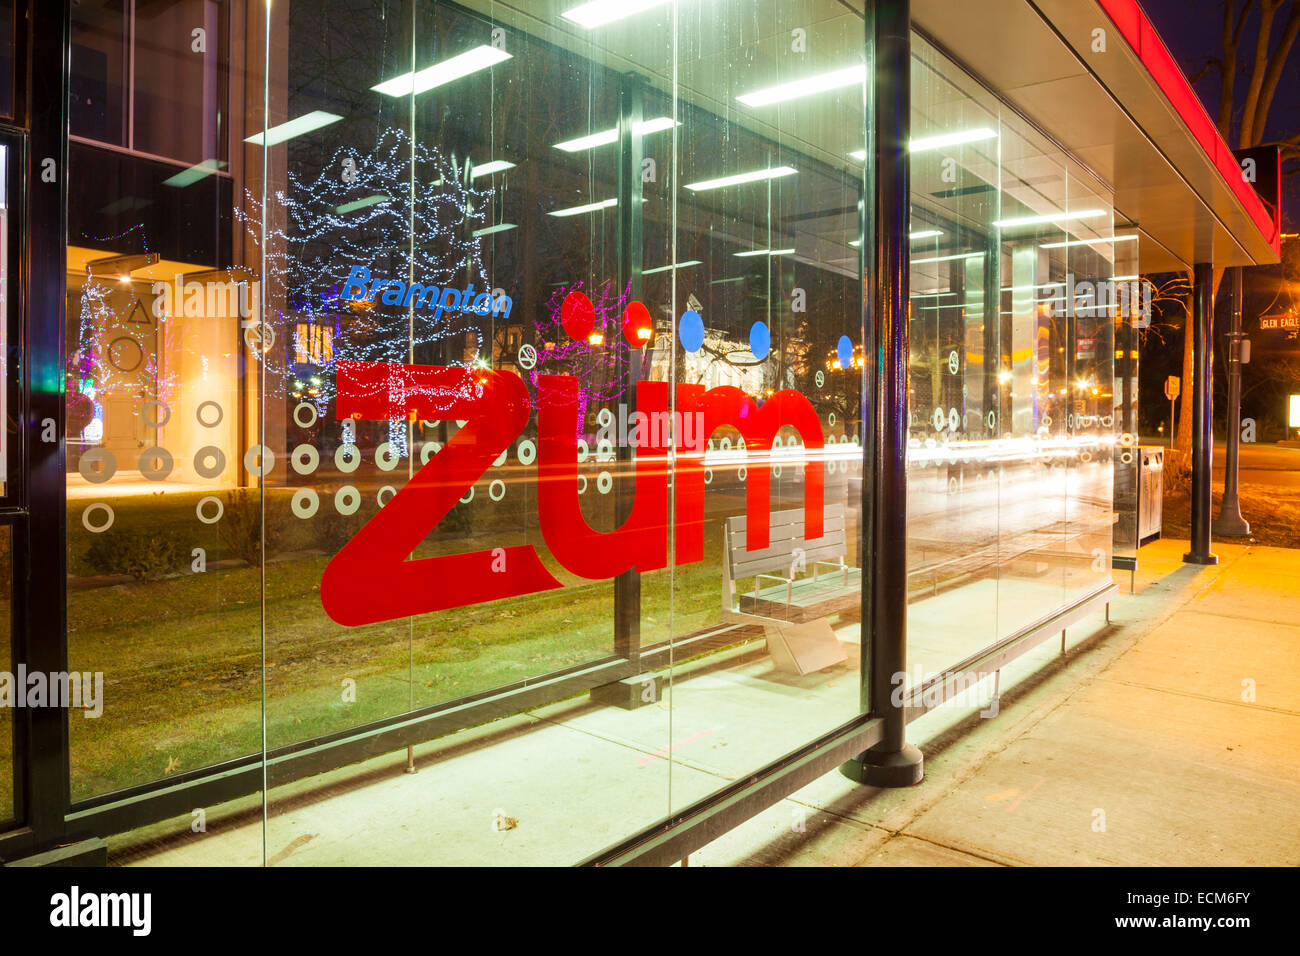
[1192, 30]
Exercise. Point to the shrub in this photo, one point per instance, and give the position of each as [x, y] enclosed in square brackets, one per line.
[250, 524]
[332, 531]
[146, 557]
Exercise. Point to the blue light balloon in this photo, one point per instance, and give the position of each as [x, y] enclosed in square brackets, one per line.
[690, 330]
[845, 350]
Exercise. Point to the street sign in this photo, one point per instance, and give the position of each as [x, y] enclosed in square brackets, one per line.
[1172, 385]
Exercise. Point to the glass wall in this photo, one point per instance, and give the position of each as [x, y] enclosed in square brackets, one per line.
[1012, 338]
[465, 406]
[464, 374]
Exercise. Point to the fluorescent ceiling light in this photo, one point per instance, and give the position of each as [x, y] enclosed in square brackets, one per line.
[1124, 278]
[600, 12]
[607, 136]
[923, 234]
[764, 252]
[1088, 242]
[809, 85]
[362, 204]
[740, 178]
[950, 139]
[930, 295]
[471, 61]
[187, 177]
[1051, 217]
[295, 127]
[579, 210]
[934, 142]
[487, 169]
[489, 230]
[676, 265]
[964, 255]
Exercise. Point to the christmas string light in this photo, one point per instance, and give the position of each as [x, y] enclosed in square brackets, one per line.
[368, 210]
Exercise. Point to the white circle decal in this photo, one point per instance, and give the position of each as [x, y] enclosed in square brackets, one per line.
[304, 502]
[304, 459]
[309, 410]
[97, 528]
[347, 458]
[202, 516]
[259, 460]
[387, 456]
[347, 500]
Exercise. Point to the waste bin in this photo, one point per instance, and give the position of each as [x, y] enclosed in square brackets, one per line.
[1151, 493]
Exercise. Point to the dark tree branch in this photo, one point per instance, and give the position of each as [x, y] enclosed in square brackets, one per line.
[1275, 67]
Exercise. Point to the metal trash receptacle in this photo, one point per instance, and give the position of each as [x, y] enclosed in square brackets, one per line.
[1151, 493]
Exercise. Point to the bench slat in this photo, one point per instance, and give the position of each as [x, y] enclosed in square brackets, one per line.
[756, 562]
[779, 519]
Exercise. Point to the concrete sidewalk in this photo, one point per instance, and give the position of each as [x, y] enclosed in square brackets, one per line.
[1169, 738]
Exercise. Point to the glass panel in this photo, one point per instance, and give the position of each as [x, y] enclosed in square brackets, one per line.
[467, 192]
[1090, 514]
[1129, 323]
[768, 367]
[1009, 510]
[344, 200]
[101, 63]
[180, 61]
[957, 375]
[164, 542]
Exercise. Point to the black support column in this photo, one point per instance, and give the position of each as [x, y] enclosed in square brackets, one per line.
[627, 586]
[1202, 319]
[42, 634]
[893, 762]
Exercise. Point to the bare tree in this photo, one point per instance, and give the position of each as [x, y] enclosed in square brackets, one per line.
[1262, 66]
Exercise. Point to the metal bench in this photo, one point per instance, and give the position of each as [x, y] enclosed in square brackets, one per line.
[796, 586]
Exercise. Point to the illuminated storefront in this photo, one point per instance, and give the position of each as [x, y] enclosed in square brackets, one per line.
[595, 405]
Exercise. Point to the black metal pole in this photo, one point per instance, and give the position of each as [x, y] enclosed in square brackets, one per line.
[893, 762]
[1202, 319]
[43, 635]
[627, 586]
[1230, 522]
